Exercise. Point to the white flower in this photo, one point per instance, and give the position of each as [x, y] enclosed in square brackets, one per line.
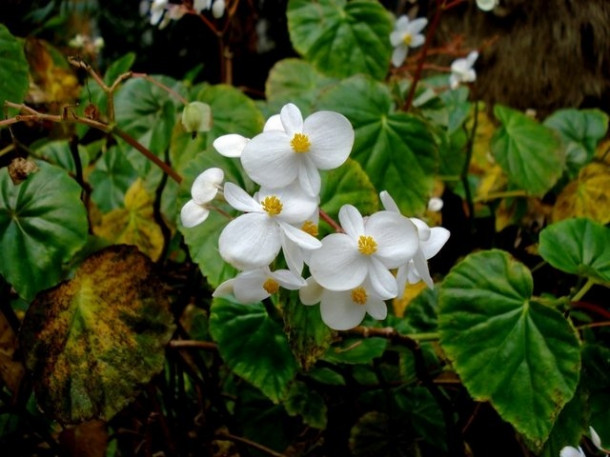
[294, 254]
[252, 286]
[597, 441]
[462, 71]
[157, 9]
[368, 249]
[570, 451]
[277, 158]
[204, 190]
[406, 34]
[218, 8]
[487, 5]
[254, 239]
[342, 310]
[435, 204]
[233, 144]
[431, 240]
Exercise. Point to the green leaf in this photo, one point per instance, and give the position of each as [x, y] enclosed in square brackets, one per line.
[295, 81]
[347, 184]
[508, 349]
[307, 403]
[578, 246]
[43, 223]
[58, 153]
[527, 151]
[356, 351]
[14, 80]
[309, 337]
[568, 428]
[325, 375]
[342, 39]
[458, 107]
[112, 176]
[92, 341]
[580, 131]
[395, 149]
[253, 346]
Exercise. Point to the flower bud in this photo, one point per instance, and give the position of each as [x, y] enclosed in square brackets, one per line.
[197, 117]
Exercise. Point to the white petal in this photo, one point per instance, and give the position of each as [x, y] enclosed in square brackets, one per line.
[269, 160]
[274, 123]
[396, 37]
[388, 202]
[339, 312]
[399, 55]
[486, 5]
[293, 255]
[595, 438]
[218, 9]
[401, 278]
[248, 286]
[382, 281]
[205, 187]
[351, 221]
[417, 41]
[250, 241]
[309, 177]
[303, 239]
[331, 136]
[311, 293]
[292, 120]
[296, 206]
[193, 214]
[396, 237]
[402, 23]
[423, 230]
[570, 451]
[435, 204]
[421, 266]
[239, 199]
[376, 308]
[224, 289]
[231, 145]
[288, 280]
[417, 25]
[472, 58]
[454, 82]
[438, 238]
[338, 265]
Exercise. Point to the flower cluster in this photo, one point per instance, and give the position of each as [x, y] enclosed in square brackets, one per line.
[352, 271]
[570, 451]
[161, 12]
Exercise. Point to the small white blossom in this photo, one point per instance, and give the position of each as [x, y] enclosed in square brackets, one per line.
[204, 190]
[342, 310]
[252, 286]
[406, 34]
[570, 451]
[435, 204]
[462, 71]
[233, 144]
[200, 5]
[197, 117]
[431, 240]
[277, 158]
[368, 249]
[254, 239]
[487, 5]
[218, 8]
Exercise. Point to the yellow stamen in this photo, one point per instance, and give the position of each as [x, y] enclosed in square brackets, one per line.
[310, 227]
[407, 39]
[272, 205]
[271, 286]
[359, 295]
[367, 245]
[300, 142]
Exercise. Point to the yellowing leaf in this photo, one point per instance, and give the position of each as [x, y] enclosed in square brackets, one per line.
[586, 196]
[481, 149]
[91, 342]
[411, 291]
[493, 180]
[133, 224]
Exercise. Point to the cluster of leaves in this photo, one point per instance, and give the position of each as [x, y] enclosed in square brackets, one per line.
[121, 340]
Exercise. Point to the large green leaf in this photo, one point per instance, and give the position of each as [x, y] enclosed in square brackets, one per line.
[43, 223]
[340, 38]
[92, 341]
[395, 149]
[527, 151]
[580, 130]
[112, 176]
[295, 81]
[578, 246]
[356, 351]
[253, 346]
[307, 403]
[58, 153]
[508, 349]
[14, 81]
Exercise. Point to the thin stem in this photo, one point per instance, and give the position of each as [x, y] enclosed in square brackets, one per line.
[581, 293]
[330, 221]
[160, 85]
[193, 344]
[247, 442]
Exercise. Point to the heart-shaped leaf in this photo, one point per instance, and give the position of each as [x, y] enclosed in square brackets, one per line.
[527, 151]
[578, 246]
[92, 341]
[395, 149]
[14, 80]
[508, 349]
[43, 223]
[340, 38]
[260, 354]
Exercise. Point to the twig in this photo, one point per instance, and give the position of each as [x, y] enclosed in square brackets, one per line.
[246, 441]
[189, 344]
[160, 85]
[330, 221]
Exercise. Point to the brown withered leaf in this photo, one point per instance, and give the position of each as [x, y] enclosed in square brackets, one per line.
[11, 370]
[89, 439]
